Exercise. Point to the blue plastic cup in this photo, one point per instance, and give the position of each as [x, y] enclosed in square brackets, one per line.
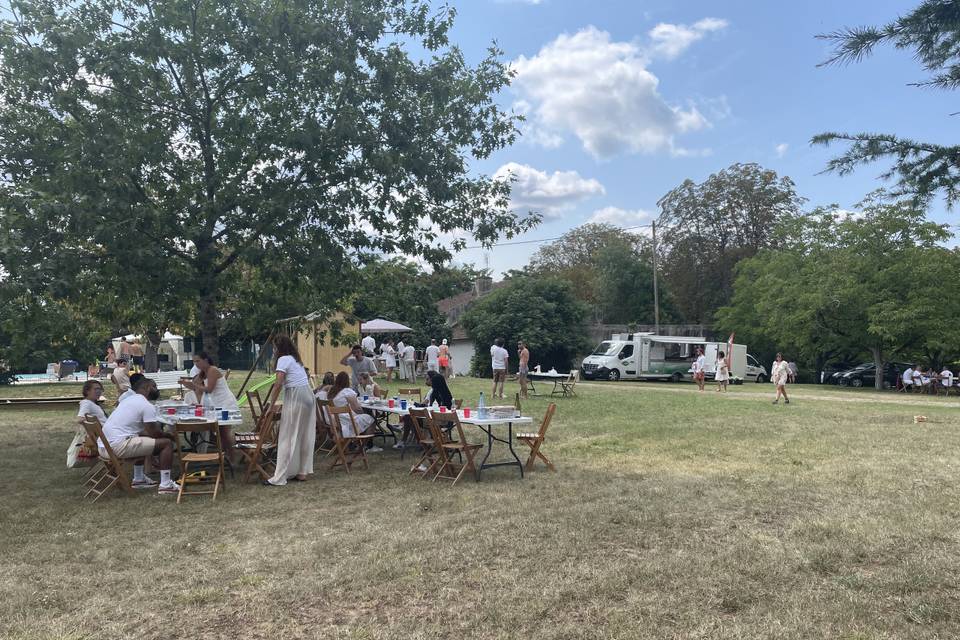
[224, 414]
[403, 404]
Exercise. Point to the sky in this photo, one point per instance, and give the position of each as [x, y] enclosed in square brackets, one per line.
[625, 99]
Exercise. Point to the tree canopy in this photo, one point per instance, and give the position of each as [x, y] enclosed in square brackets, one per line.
[878, 282]
[541, 311]
[920, 170]
[707, 227]
[169, 151]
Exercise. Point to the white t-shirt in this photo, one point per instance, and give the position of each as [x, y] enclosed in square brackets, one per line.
[907, 376]
[194, 371]
[699, 364]
[499, 355]
[296, 375]
[946, 378]
[389, 356]
[433, 353]
[122, 378]
[89, 407]
[343, 400]
[368, 344]
[128, 419]
[400, 347]
[409, 353]
[129, 393]
[363, 365]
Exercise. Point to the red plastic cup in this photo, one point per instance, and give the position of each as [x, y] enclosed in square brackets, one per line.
[390, 403]
[171, 411]
[443, 409]
[198, 411]
[466, 412]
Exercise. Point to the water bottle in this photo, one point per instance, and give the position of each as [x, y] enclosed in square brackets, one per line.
[481, 407]
[207, 405]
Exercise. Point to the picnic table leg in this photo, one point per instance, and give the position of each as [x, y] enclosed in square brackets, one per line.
[483, 464]
[510, 446]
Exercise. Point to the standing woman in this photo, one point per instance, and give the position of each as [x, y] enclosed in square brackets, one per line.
[445, 359]
[209, 381]
[722, 372]
[389, 354]
[298, 419]
[779, 373]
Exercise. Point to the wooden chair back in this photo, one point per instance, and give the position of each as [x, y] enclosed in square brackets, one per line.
[335, 412]
[410, 392]
[383, 393]
[344, 455]
[547, 417]
[420, 418]
[264, 438]
[114, 473]
[326, 438]
[445, 421]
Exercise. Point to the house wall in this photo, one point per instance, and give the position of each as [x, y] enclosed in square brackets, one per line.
[462, 352]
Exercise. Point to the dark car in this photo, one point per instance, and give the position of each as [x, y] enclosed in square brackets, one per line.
[866, 375]
[838, 376]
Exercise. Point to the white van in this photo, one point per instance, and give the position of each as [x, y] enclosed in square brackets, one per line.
[646, 356]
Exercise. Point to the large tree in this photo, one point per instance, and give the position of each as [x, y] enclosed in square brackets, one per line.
[920, 169]
[707, 227]
[162, 145]
[541, 311]
[878, 282]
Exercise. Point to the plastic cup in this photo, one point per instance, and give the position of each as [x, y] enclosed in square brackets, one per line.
[403, 404]
[466, 412]
[366, 398]
[390, 403]
[171, 411]
[443, 409]
[224, 414]
[198, 411]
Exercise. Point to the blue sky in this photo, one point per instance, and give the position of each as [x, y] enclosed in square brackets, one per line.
[627, 98]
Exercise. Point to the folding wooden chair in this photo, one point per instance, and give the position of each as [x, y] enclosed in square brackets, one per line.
[535, 440]
[468, 451]
[348, 449]
[324, 434]
[257, 447]
[114, 473]
[95, 472]
[213, 429]
[421, 427]
[566, 387]
[409, 392]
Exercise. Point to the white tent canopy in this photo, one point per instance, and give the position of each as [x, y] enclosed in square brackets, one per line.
[380, 325]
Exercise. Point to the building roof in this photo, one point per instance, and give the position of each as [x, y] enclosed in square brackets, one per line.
[454, 306]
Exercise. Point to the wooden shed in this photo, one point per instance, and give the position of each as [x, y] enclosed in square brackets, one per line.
[322, 339]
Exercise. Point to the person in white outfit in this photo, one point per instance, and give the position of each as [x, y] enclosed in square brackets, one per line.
[722, 375]
[779, 374]
[433, 357]
[369, 345]
[298, 419]
[410, 362]
[389, 359]
[946, 379]
[210, 382]
[403, 367]
[343, 395]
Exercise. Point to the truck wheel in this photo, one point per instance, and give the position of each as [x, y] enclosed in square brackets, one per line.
[761, 379]
[857, 382]
[676, 377]
[614, 375]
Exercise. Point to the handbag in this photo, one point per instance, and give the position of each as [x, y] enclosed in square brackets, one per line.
[81, 452]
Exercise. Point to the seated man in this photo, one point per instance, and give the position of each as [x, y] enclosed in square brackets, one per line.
[946, 379]
[130, 392]
[133, 432]
[907, 379]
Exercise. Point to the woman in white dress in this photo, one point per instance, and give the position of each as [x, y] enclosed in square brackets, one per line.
[210, 382]
[723, 372]
[389, 354]
[779, 373]
[298, 419]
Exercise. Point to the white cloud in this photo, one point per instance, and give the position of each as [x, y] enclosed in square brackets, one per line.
[549, 194]
[781, 149]
[670, 40]
[620, 217]
[602, 92]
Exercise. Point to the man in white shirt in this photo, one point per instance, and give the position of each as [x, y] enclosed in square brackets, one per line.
[403, 367]
[358, 364]
[369, 345]
[433, 357]
[698, 369]
[907, 379]
[498, 361]
[409, 362]
[133, 432]
[946, 378]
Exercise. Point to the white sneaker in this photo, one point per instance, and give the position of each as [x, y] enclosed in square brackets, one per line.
[168, 489]
[144, 483]
[374, 450]
[422, 467]
[398, 445]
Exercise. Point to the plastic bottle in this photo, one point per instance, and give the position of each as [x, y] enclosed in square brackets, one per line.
[481, 407]
[207, 405]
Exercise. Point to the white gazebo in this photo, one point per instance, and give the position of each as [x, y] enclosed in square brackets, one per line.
[380, 325]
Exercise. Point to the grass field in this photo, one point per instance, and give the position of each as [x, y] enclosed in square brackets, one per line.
[673, 515]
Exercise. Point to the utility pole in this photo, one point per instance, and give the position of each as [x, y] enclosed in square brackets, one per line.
[656, 292]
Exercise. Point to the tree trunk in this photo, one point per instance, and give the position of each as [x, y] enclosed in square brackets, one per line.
[878, 363]
[210, 321]
[151, 361]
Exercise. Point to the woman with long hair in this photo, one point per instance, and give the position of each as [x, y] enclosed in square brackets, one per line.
[779, 373]
[211, 382]
[343, 395]
[298, 419]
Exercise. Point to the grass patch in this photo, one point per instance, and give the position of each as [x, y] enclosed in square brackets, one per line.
[674, 514]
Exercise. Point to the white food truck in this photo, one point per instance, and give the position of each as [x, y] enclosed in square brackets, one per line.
[645, 356]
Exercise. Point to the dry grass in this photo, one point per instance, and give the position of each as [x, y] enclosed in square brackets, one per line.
[673, 515]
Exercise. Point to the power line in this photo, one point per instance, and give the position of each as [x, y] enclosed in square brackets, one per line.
[519, 242]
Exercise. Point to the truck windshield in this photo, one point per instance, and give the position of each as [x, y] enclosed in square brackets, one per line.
[606, 348]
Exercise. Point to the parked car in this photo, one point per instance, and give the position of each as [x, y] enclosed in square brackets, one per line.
[866, 375]
[755, 371]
